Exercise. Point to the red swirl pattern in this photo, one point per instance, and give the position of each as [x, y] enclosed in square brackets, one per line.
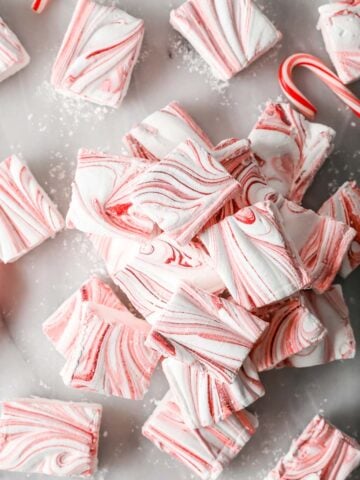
[228, 35]
[289, 149]
[62, 327]
[110, 356]
[98, 54]
[27, 215]
[101, 196]
[344, 206]
[340, 28]
[49, 437]
[183, 191]
[322, 242]
[203, 399]
[205, 451]
[322, 452]
[149, 274]
[292, 329]
[162, 131]
[339, 343]
[254, 259]
[205, 330]
[13, 56]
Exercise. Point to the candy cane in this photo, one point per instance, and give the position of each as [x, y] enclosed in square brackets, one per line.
[39, 5]
[312, 63]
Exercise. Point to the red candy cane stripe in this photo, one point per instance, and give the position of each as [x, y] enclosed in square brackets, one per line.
[39, 5]
[312, 63]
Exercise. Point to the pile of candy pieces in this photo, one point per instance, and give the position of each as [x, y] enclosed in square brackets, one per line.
[209, 242]
[211, 246]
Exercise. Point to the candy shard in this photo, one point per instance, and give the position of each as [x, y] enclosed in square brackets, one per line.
[206, 451]
[101, 192]
[183, 191]
[292, 329]
[322, 242]
[228, 35]
[205, 330]
[27, 215]
[290, 150]
[62, 327]
[322, 452]
[340, 27]
[98, 54]
[110, 356]
[13, 56]
[50, 437]
[344, 206]
[149, 273]
[203, 399]
[339, 343]
[160, 132]
[254, 258]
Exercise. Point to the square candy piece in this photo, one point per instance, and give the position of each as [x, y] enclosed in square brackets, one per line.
[183, 191]
[159, 133]
[254, 258]
[101, 203]
[62, 327]
[292, 329]
[110, 356]
[289, 149]
[13, 56]
[203, 399]
[149, 274]
[229, 35]
[98, 54]
[340, 27]
[205, 451]
[321, 242]
[344, 206]
[339, 343]
[49, 437]
[205, 330]
[27, 215]
[321, 452]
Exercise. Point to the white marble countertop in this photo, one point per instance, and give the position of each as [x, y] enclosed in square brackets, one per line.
[47, 130]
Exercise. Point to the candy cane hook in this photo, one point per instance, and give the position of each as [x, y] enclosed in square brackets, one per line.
[39, 5]
[312, 63]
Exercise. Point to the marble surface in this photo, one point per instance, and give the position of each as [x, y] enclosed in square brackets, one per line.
[47, 130]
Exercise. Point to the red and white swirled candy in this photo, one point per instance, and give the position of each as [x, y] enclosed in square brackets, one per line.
[62, 327]
[203, 399]
[183, 191]
[98, 54]
[159, 133]
[292, 329]
[327, 76]
[27, 215]
[344, 206]
[205, 451]
[13, 56]
[322, 452]
[228, 35]
[50, 437]
[149, 273]
[289, 149]
[339, 343]
[110, 356]
[252, 255]
[340, 26]
[101, 191]
[205, 330]
[321, 242]
[39, 5]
